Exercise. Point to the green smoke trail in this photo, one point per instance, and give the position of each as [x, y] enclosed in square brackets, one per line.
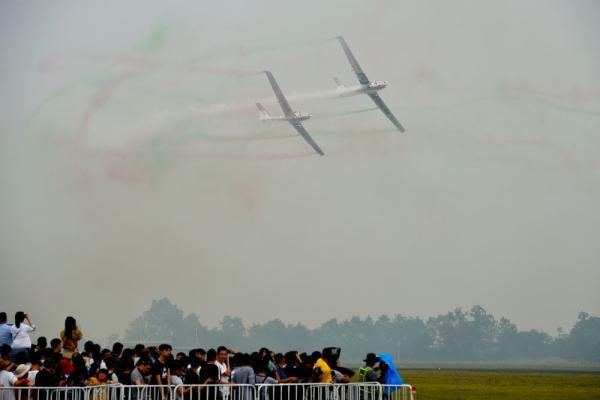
[155, 40]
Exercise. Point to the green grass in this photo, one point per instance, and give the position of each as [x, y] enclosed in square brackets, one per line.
[470, 385]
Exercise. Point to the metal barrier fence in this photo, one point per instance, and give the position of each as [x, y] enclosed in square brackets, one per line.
[289, 391]
[42, 393]
[215, 392]
[326, 391]
[397, 392]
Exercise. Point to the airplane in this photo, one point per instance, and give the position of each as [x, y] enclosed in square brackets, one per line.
[293, 117]
[367, 87]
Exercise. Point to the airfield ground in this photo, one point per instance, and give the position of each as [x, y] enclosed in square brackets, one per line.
[433, 384]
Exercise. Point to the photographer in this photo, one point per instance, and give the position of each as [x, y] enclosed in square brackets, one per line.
[20, 334]
[322, 369]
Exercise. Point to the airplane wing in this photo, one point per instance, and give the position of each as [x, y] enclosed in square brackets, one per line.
[300, 128]
[360, 74]
[285, 106]
[386, 111]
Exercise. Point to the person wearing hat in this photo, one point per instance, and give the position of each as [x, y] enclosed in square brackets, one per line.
[22, 376]
[368, 373]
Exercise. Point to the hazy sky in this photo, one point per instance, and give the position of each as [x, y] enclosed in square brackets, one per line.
[133, 165]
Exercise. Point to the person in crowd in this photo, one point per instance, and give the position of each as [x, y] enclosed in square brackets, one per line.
[23, 381]
[6, 366]
[201, 354]
[177, 371]
[5, 331]
[6, 352]
[294, 366]
[268, 356]
[209, 375]
[117, 349]
[322, 370]
[161, 367]
[280, 365]
[243, 372]
[262, 377]
[70, 336]
[368, 372]
[388, 375]
[7, 380]
[210, 372]
[22, 376]
[137, 352]
[20, 333]
[41, 344]
[56, 346]
[40, 348]
[21, 358]
[192, 374]
[99, 391]
[126, 355]
[101, 378]
[36, 365]
[67, 375]
[46, 354]
[224, 368]
[123, 371]
[88, 347]
[111, 365]
[139, 375]
[47, 375]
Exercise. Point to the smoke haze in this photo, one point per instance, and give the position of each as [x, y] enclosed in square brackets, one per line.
[134, 166]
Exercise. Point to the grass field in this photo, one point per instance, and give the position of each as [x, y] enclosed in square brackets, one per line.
[469, 385]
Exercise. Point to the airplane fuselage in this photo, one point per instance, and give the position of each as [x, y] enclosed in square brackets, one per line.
[372, 87]
[298, 116]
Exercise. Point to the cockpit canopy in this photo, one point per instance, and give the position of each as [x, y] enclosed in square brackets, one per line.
[301, 115]
[378, 84]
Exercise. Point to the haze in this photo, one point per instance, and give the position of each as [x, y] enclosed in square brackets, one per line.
[134, 167]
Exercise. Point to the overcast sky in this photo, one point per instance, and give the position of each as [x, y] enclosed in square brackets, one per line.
[133, 165]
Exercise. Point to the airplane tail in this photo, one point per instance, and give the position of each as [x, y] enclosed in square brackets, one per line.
[262, 112]
[338, 83]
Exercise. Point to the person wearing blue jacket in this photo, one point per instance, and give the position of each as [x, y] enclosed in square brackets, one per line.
[390, 374]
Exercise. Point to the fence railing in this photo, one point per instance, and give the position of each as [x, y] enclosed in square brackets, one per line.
[289, 391]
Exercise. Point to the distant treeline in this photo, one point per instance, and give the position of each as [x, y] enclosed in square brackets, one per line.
[459, 335]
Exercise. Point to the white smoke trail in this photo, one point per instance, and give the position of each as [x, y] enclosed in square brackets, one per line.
[141, 130]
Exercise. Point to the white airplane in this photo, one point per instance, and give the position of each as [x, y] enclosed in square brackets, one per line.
[367, 87]
[293, 117]
[265, 116]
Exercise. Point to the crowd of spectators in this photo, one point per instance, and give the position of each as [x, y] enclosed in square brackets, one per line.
[63, 363]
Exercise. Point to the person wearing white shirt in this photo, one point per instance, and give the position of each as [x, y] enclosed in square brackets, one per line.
[223, 363]
[7, 380]
[20, 333]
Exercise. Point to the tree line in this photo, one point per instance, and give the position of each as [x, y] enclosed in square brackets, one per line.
[459, 335]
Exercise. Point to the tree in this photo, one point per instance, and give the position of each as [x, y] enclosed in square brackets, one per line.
[232, 333]
[159, 323]
[473, 335]
[583, 342]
